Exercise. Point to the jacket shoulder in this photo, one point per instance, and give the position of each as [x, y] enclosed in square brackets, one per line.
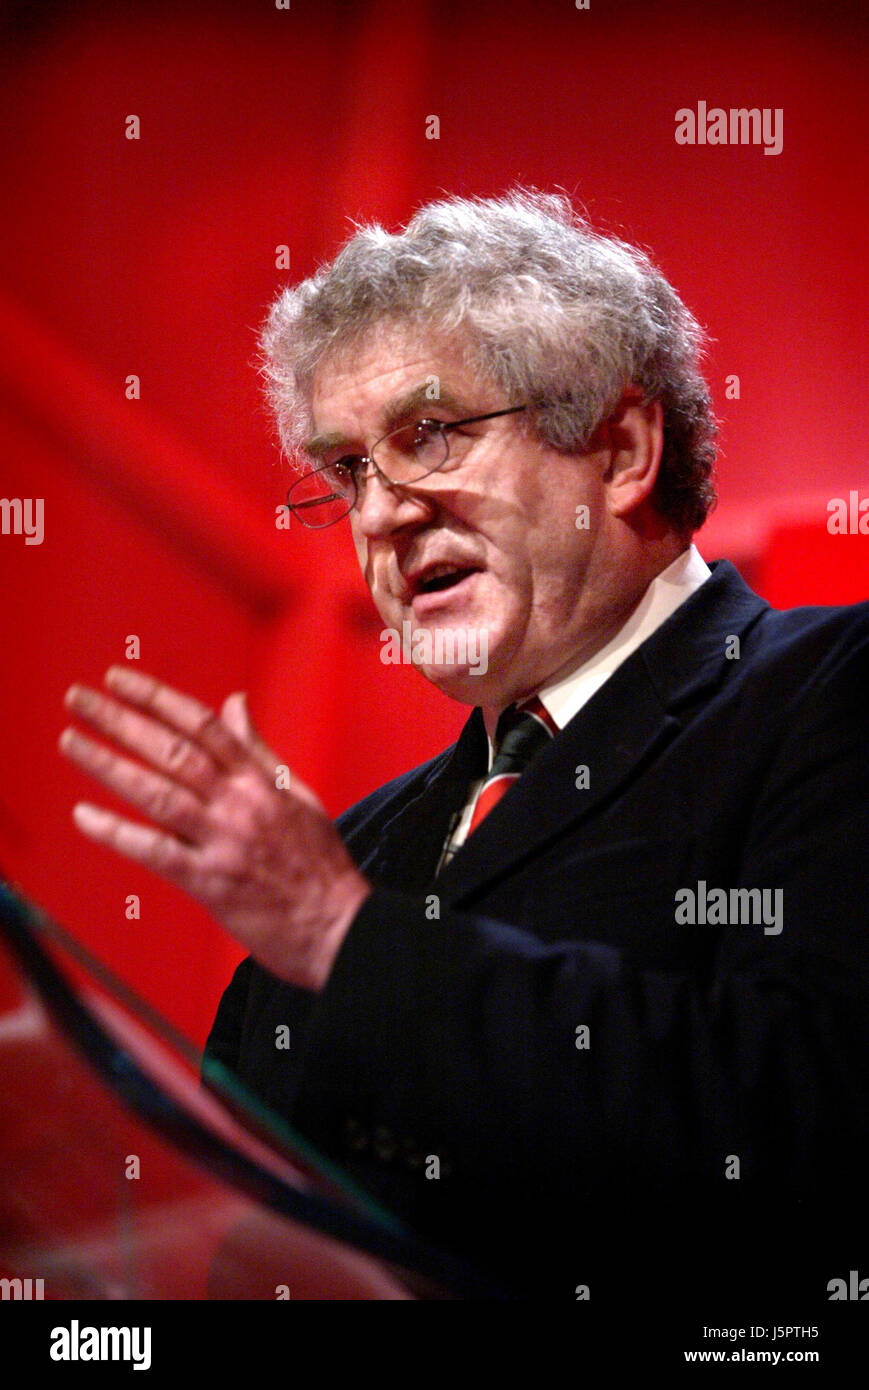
[375, 811]
[812, 640]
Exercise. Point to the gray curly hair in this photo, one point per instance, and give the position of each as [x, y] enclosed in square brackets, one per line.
[558, 315]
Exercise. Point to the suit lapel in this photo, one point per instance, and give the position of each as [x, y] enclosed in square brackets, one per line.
[411, 843]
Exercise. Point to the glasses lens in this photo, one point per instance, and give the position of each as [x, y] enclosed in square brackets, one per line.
[321, 498]
[411, 451]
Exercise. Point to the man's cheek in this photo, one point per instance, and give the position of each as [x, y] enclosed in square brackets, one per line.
[387, 605]
[496, 599]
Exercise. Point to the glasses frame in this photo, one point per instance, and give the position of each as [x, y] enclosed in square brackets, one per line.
[443, 427]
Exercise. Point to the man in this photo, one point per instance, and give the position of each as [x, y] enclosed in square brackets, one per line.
[583, 998]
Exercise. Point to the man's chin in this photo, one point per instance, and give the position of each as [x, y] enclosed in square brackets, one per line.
[469, 685]
[457, 683]
[465, 661]
[453, 657]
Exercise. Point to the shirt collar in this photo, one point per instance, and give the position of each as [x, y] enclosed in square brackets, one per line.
[564, 698]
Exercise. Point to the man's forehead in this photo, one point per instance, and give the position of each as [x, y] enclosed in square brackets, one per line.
[393, 382]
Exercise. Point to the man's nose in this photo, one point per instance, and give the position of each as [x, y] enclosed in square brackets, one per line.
[383, 507]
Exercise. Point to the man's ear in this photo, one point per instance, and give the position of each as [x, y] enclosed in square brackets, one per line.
[634, 438]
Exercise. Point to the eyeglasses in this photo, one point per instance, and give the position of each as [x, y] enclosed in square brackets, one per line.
[404, 456]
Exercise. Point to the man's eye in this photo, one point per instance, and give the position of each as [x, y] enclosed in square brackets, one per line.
[341, 476]
[346, 467]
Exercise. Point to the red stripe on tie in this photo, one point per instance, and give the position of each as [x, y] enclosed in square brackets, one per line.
[539, 710]
[489, 797]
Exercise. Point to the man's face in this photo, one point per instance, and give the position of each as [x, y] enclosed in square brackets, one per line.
[501, 516]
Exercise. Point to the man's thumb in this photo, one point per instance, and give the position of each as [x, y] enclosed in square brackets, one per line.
[236, 716]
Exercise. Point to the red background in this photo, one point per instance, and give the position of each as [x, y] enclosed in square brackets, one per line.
[262, 127]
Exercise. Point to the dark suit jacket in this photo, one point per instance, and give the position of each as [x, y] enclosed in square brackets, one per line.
[715, 1126]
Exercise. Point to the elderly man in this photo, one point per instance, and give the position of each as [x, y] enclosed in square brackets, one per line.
[583, 998]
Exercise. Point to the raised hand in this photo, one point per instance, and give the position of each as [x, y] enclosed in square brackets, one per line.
[266, 862]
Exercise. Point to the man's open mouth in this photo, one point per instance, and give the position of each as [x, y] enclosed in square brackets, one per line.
[438, 577]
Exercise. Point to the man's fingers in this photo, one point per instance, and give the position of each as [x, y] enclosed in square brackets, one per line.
[196, 721]
[153, 742]
[161, 853]
[162, 800]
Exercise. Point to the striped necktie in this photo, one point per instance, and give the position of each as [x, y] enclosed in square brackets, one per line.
[521, 732]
